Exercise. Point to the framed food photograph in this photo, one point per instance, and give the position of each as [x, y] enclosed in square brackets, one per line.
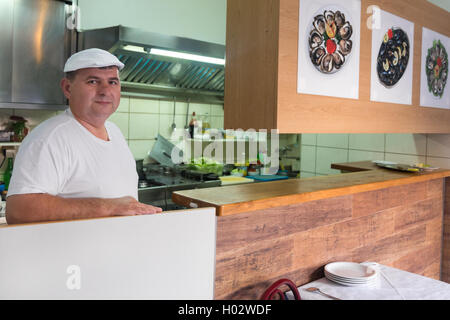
[392, 60]
[434, 88]
[328, 48]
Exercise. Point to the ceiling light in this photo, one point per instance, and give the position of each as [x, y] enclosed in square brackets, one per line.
[186, 56]
[134, 48]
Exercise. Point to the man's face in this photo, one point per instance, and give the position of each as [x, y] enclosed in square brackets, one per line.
[94, 93]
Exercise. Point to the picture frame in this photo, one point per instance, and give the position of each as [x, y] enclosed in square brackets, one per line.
[391, 84]
[434, 86]
[340, 82]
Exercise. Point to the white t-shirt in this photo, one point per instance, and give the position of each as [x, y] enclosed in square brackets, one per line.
[61, 157]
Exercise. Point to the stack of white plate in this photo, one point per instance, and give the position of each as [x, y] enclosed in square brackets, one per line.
[351, 273]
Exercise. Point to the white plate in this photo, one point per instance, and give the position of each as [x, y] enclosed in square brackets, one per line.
[330, 277]
[351, 271]
[370, 283]
[350, 280]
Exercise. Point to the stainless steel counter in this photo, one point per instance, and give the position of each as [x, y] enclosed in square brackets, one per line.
[161, 195]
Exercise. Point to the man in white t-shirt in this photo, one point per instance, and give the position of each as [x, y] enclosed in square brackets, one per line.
[77, 165]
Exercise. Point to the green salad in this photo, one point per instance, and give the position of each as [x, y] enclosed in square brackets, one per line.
[206, 165]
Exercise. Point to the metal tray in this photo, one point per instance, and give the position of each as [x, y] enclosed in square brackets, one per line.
[399, 167]
[162, 151]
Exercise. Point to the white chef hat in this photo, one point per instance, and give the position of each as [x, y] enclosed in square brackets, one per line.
[92, 58]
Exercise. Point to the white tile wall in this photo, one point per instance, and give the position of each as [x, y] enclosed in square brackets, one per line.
[181, 108]
[368, 142]
[217, 110]
[166, 107]
[200, 109]
[325, 156]
[309, 139]
[121, 119]
[124, 105]
[433, 149]
[361, 155]
[141, 148]
[406, 143]
[139, 119]
[216, 122]
[148, 117]
[439, 145]
[308, 159]
[439, 162]
[144, 105]
[166, 121]
[405, 158]
[333, 140]
[143, 126]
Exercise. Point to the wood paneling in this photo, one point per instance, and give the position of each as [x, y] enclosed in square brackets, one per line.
[252, 26]
[418, 212]
[252, 74]
[250, 227]
[373, 201]
[254, 249]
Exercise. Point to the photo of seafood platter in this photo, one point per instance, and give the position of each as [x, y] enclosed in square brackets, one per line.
[329, 48]
[436, 68]
[330, 41]
[393, 56]
[391, 76]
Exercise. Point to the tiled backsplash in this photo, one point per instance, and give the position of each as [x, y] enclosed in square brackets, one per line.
[319, 151]
[140, 120]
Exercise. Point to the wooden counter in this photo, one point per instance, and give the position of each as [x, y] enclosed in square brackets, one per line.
[243, 198]
[292, 228]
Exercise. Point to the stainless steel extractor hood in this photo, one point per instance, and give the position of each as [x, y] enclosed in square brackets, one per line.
[34, 45]
[150, 73]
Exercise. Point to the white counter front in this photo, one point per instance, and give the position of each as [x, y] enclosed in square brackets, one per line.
[162, 256]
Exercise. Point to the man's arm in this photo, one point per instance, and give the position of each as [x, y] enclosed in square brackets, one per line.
[36, 207]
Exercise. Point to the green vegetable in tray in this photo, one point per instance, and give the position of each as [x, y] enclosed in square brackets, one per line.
[206, 165]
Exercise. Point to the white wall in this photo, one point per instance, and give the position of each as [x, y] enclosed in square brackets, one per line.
[319, 151]
[444, 4]
[196, 19]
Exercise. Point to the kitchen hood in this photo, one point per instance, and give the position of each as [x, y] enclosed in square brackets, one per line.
[161, 65]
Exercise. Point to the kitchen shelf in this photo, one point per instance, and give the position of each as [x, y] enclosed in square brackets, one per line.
[10, 144]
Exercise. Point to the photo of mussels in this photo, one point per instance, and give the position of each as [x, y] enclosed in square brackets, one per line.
[329, 41]
[436, 68]
[393, 56]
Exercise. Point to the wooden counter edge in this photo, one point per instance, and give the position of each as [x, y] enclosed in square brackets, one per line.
[267, 203]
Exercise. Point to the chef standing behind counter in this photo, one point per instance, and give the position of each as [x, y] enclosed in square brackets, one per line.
[77, 165]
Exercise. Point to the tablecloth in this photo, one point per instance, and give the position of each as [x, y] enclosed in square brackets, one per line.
[391, 284]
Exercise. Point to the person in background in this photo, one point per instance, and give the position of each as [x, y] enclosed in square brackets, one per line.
[78, 165]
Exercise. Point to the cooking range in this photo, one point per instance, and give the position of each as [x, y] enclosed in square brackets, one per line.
[157, 182]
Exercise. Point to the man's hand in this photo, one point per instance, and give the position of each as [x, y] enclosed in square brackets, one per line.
[129, 206]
